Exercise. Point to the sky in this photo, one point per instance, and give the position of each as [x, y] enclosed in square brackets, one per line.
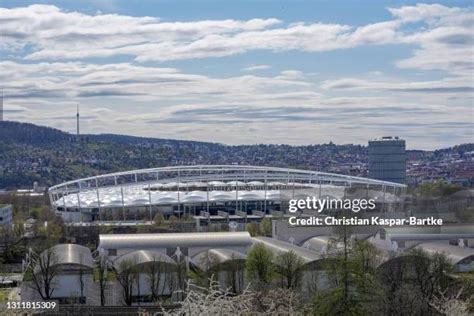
[243, 72]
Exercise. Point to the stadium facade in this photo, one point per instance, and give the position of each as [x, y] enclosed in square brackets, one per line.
[228, 191]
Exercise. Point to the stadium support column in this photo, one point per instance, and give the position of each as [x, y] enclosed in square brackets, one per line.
[293, 190]
[179, 198]
[395, 202]
[207, 201]
[80, 208]
[64, 200]
[149, 200]
[123, 202]
[265, 199]
[403, 192]
[79, 201]
[383, 198]
[236, 197]
[98, 196]
[51, 200]
[366, 196]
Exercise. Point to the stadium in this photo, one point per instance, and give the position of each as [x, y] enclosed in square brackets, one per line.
[210, 192]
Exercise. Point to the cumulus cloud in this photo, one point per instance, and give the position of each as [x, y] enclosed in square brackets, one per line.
[446, 85]
[53, 33]
[291, 74]
[51, 66]
[78, 79]
[256, 67]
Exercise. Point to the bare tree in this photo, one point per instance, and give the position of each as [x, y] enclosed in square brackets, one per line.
[235, 274]
[44, 268]
[81, 282]
[136, 277]
[102, 267]
[7, 239]
[154, 271]
[412, 282]
[343, 270]
[81, 278]
[178, 281]
[401, 298]
[167, 275]
[207, 269]
[311, 282]
[288, 266]
[126, 275]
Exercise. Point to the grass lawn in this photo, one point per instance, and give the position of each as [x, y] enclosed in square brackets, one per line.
[4, 294]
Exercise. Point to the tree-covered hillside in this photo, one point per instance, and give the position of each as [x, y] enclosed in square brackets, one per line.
[49, 156]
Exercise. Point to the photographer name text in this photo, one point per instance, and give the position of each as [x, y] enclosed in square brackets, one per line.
[355, 221]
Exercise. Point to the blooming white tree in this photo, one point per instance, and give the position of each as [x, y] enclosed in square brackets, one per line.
[450, 304]
[216, 301]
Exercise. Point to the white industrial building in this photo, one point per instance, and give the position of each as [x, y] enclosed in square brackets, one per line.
[223, 255]
[6, 215]
[174, 254]
[73, 267]
[154, 270]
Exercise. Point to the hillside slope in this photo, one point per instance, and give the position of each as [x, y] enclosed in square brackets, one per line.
[49, 156]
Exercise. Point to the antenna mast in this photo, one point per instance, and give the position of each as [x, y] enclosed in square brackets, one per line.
[77, 119]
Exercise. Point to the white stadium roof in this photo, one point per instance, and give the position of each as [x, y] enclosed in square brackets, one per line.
[199, 184]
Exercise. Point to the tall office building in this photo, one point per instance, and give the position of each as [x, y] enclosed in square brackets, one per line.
[387, 159]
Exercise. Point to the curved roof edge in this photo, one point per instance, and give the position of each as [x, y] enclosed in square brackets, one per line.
[142, 256]
[277, 247]
[70, 254]
[171, 240]
[234, 167]
[213, 257]
[455, 254]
